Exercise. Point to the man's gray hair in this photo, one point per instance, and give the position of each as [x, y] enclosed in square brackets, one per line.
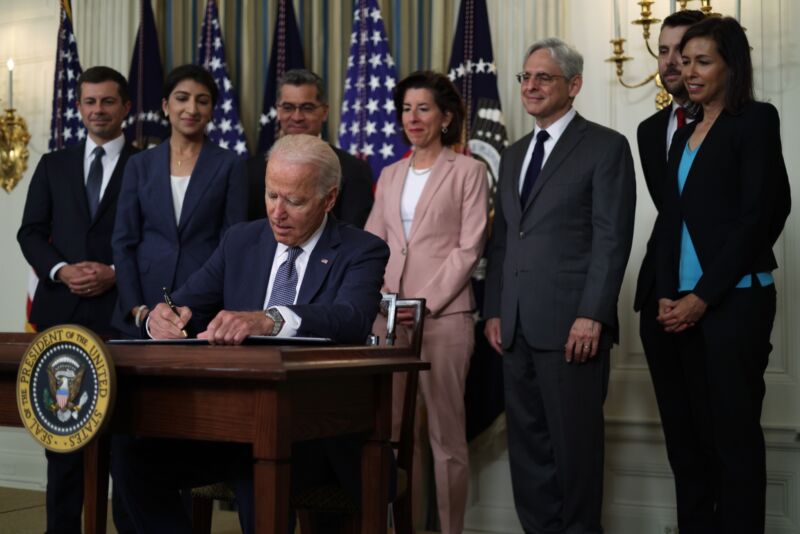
[303, 148]
[298, 77]
[569, 60]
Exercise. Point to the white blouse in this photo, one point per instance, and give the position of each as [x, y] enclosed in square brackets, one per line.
[179, 186]
[412, 189]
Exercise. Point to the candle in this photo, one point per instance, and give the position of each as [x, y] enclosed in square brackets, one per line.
[617, 32]
[10, 65]
[672, 6]
[739, 10]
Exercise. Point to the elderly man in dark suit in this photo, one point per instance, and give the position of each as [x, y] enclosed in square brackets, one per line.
[560, 243]
[302, 108]
[303, 273]
[66, 237]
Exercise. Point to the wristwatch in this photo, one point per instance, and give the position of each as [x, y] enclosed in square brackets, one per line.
[277, 319]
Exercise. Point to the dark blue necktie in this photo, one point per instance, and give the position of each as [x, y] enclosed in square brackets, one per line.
[95, 180]
[284, 288]
[534, 167]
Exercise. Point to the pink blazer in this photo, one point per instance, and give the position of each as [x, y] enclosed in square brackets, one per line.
[447, 235]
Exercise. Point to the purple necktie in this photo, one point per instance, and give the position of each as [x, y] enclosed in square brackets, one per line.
[284, 288]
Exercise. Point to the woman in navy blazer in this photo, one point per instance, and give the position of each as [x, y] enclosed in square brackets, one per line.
[176, 201]
[725, 204]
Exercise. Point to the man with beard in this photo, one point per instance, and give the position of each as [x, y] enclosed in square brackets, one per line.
[654, 137]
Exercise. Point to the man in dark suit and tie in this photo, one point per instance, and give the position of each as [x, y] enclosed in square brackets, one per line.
[303, 273]
[66, 237]
[561, 239]
[302, 108]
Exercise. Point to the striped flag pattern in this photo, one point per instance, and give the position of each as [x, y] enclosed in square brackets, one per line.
[66, 128]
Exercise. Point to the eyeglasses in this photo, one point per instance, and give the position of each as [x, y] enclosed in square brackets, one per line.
[542, 78]
[303, 108]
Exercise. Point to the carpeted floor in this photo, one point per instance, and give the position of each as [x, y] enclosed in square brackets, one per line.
[22, 512]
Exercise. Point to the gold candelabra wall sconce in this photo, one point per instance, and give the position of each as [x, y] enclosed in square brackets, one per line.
[646, 20]
[14, 139]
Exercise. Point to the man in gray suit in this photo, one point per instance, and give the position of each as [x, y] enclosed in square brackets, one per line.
[562, 234]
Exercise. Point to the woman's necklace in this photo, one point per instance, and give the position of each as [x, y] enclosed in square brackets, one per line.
[190, 157]
[421, 172]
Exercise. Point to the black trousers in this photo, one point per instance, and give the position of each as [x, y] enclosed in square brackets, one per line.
[554, 415]
[64, 496]
[709, 384]
[149, 474]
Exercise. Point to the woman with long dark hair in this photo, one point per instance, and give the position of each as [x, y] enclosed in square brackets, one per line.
[726, 203]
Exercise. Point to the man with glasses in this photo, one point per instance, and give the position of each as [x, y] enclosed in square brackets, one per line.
[302, 108]
[562, 235]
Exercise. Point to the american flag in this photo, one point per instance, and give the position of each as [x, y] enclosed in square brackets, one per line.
[145, 123]
[66, 127]
[474, 74]
[287, 54]
[368, 127]
[225, 128]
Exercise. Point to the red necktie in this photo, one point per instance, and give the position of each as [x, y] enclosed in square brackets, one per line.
[680, 114]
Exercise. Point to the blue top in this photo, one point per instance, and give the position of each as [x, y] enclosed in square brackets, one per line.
[690, 269]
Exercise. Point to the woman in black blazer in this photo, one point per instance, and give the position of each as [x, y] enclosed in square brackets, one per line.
[725, 205]
[176, 201]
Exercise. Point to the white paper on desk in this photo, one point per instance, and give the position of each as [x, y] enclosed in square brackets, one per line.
[251, 340]
[185, 341]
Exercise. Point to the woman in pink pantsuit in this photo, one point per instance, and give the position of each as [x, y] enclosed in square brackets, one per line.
[432, 210]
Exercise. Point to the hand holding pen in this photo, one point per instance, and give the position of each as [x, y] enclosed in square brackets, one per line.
[167, 321]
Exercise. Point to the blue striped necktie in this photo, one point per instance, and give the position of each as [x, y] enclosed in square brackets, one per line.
[284, 288]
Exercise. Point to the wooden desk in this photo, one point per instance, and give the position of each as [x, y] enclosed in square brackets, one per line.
[263, 395]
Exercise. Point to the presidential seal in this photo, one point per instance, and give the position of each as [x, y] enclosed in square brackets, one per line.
[65, 387]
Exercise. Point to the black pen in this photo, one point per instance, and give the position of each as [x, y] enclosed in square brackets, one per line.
[172, 307]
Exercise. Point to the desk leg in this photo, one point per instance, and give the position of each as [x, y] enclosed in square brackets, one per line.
[376, 462]
[95, 484]
[375, 466]
[271, 490]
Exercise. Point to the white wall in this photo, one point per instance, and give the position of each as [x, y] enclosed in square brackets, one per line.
[639, 495]
[27, 33]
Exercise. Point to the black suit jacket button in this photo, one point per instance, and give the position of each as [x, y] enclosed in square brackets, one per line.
[521, 235]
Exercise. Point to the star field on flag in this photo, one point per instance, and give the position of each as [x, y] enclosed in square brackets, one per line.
[368, 126]
[66, 127]
[225, 128]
